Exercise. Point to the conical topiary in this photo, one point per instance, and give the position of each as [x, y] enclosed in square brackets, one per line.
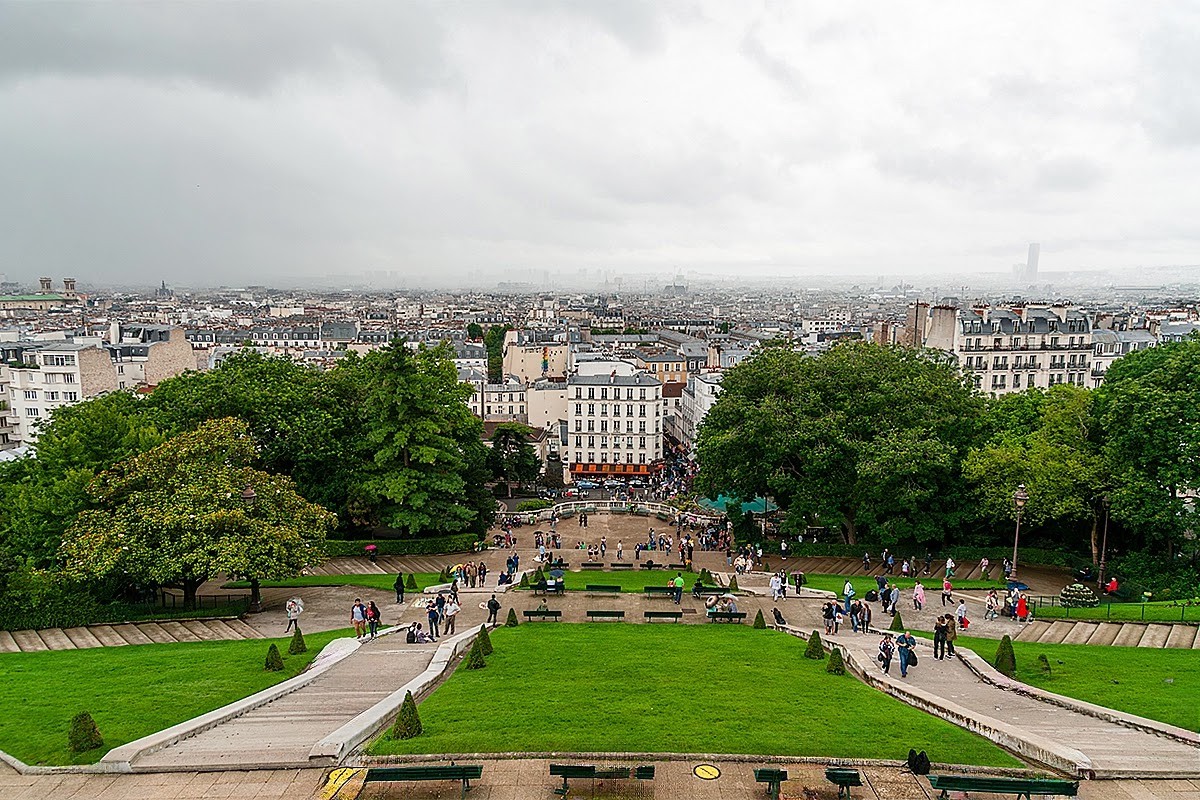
[511, 620]
[814, 650]
[524, 582]
[475, 657]
[759, 622]
[836, 665]
[733, 587]
[274, 660]
[1044, 664]
[897, 625]
[83, 735]
[706, 577]
[408, 722]
[410, 583]
[485, 641]
[539, 576]
[297, 646]
[444, 575]
[1006, 659]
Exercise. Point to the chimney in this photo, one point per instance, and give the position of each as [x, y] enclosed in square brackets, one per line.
[69, 284]
[45, 285]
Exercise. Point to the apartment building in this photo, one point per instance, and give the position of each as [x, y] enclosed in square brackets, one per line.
[505, 402]
[666, 365]
[1109, 345]
[614, 425]
[530, 358]
[701, 391]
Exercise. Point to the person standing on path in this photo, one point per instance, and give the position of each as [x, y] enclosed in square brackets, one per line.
[960, 613]
[373, 617]
[939, 638]
[493, 607]
[431, 612]
[677, 585]
[399, 587]
[886, 649]
[451, 614]
[603, 546]
[991, 605]
[294, 607]
[951, 635]
[358, 617]
[928, 562]
[905, 643]
[620, 551]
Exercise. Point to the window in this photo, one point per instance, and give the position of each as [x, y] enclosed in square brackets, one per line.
[578, 396]
[642, 442]
[591, 393]
[591, 443]
[579, 441]
[50, 377]
[629, 458]
[591, 425]
[69, 377]
[604, 426]
[604, 458]
[604, 409]
[51, 395]
[591, 409]
[629, 441]
[30, 394]
[629, 426]
[489, 409]
[629, 394]
[578, 425]
[71, 397]
[641, 458]
[591, 457]
[642, 427]
[578, 409]
[641, 394]
[59, 361]
[121, 370]
[31, 412]
[603, 393]
[642, 410]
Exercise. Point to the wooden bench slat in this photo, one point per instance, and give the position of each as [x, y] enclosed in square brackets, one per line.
[998, 785]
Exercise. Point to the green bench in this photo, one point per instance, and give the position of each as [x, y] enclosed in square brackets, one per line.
[705, 591]
[592, 772]
[679, 567]
[602, 588]
[727, 616]
[843, 779]
[543, 614]
[658, 591]
[541, 587]
[651, 565]
[1021, 787]
[593, 614]
[621, 565]
[592, 565]
[672, 615]
[774, 778]
[465, 773]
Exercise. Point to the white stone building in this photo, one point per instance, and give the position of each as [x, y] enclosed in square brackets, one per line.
[698, 396]
[614, 425]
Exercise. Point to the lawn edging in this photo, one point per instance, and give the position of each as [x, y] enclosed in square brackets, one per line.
[983, 669]
[1028, 745]
[340, 743]
[120, 759]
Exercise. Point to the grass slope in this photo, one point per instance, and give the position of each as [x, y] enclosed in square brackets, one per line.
[131, 691]
[384, 582]
[687, 688]
[1131, 679]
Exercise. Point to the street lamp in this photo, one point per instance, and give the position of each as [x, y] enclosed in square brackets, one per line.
[1020, 498]
[248, 497]
[1107, 503]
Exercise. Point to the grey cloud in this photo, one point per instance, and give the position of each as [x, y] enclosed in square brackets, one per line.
[1070, 174]
[786, 76]
[1169, 99]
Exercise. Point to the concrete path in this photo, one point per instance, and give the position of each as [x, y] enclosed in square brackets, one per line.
[1049, 732]
[160, 632]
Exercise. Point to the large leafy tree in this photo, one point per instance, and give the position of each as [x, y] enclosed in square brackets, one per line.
[512, 458]
[178, 515]
[863, 436]
[494, 341]
[1149, 408]
[1047, 440]
[428, 461]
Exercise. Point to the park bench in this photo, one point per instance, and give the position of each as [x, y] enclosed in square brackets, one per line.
[774, 778]
[465, 773]
[592, 565]
[621, 565]
[704, 591]
[843, 779]
[677, 566]
[594, 614]
[672, 615]
[592, 772]
[602, 588]
[543, 614]
[727, 616]
[651, 565]
[1021, 787]
[658, 591]
[541, 587]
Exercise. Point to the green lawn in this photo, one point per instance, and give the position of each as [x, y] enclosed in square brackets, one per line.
[865, 583]
[629, 580]
[131, 691]
[683, 688]
[1131, 679]
[374, 581]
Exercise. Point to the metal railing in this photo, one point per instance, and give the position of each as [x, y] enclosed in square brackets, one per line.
[637, 508]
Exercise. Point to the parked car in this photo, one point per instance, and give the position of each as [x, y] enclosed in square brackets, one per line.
[613, 483]
[585, 484]
[638, 482]
[575, 493]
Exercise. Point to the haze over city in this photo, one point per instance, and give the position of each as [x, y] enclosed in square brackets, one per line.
[425, 145]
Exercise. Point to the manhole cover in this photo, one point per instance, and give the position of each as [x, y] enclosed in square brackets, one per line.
[706, 772]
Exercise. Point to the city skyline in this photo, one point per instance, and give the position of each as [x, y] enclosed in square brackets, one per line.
[430, 145]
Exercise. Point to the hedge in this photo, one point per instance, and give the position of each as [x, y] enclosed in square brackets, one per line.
[432, 545]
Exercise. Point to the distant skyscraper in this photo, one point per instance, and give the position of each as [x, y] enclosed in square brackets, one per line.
[1031, 263]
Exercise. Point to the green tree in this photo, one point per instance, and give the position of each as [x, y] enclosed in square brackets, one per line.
[512, 458]
[1006, 660]
[474, 331]
[428, 468]
[493, 340]
[274, 661]
[408, 722]
[863, 436]
[177, 515]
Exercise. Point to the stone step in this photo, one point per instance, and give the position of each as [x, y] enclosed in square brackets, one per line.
[107, 636]
[200, 630]
[1057, 631]
[29, 641]
[245, 630]
[55, 639]
[221, 630]
[1196, 644]
[1032, 631]
[1080, 633]
[1130, 635]
[178, 631]
[8, 644]
[1155, 636]
[132, 634]
[156, 633]
[1181, 636]
[82, 637]
[1105, 634]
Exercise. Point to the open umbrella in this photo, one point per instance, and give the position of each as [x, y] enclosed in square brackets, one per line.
[556, 573]
[728, 596]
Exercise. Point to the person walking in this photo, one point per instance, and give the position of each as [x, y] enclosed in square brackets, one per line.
[991, 605]
[984, 567]
[493, 607]
[373, 617]
[939, 638]
[399, 587]
[905, 643]
[866, 562]
[960, 613]
[928, 562]
[950, 565]
[865, 618]
[450, 614]
[358, 618]
[947, 592]
[829, 615]
[886, 649]
[293, 608]
[919, 596]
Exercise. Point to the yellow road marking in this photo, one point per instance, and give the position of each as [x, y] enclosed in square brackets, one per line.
[338, 778]
[706, 772]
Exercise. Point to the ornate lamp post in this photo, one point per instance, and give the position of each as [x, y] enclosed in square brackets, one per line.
[1020, 498]
[1107, 503]
[249, 496]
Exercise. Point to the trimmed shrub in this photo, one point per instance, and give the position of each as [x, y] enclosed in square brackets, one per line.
[733, 587]
[274, 661]
[759, 622]
[897, 625]
[475, 657]
[411, 583]
[524, 582]
[511, 620]
[444, 575]
[1044, 664]
[814, 650]
[1078, 596]
[408, 722]
[533, 505]
[1006, 659]
[83, 735]
[297, 646]
[836, 665]
[706, 578]
[485, 641]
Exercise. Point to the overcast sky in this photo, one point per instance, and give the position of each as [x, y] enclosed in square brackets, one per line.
[206, 143]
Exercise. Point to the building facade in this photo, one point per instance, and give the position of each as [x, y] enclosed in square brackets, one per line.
[614, 425]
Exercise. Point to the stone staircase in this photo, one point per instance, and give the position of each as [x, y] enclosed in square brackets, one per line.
[384, 565]
[1115, 634]
[162, 632]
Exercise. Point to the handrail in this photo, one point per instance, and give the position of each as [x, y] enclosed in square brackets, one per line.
[608, 506]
